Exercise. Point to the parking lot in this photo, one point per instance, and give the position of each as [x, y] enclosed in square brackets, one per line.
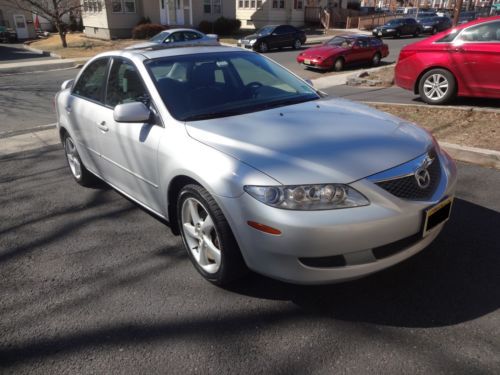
[93, 284]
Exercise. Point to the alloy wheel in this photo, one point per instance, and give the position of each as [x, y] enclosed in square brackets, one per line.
[73, 158]
[263, 47]
[436, 86]
[297, 44]
[200, 235]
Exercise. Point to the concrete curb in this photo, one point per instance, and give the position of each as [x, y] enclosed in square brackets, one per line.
[340, 79]
[49, 138]
[41, 52]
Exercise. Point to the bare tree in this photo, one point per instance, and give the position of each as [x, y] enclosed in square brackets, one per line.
[52, 10]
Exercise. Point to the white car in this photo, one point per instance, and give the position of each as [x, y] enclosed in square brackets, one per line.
[178, 38]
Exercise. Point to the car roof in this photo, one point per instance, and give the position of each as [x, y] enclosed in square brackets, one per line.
[148, 53]
[178, 29]
[478, 21]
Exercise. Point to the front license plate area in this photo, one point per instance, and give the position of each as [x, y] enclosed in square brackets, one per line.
[435, 215]
[307, 62]
[380, 33]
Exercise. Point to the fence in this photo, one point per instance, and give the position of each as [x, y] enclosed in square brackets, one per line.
[370, 22]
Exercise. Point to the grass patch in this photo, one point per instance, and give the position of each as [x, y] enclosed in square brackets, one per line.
[80, 45]
[460, 126]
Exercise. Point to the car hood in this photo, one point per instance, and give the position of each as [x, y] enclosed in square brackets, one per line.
[325, 141]
[252, 36]
[324, 51]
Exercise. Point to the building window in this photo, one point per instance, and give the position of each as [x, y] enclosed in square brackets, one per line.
[207, 6]
[279, 4]
[217, 6]
[123, 6]
[297, 4]
[259, 4]
[240, 4]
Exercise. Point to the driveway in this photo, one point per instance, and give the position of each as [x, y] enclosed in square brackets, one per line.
[93, 284]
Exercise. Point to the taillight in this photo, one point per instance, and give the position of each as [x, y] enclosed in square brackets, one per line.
[404, 54]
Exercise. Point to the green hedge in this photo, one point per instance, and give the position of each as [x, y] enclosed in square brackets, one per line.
[147, 30]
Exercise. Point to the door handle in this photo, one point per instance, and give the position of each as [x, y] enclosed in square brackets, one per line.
[102, 125]
[457, 49]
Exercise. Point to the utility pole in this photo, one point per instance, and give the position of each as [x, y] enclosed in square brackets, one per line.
[458, 9]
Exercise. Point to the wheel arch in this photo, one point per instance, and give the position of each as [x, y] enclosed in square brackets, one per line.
[174, 188]
[417, 81]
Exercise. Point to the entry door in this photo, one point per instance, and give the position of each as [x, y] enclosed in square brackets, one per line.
[179, 11]
[21, 27]
[163, 12]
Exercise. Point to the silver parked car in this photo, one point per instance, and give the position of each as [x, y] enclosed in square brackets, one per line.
[252, 166]
[178, 38]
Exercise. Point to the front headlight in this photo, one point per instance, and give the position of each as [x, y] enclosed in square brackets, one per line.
[390, 30]
[252, 41]
[308, 197]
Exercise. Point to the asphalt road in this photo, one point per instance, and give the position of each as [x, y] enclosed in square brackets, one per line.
[92, 284]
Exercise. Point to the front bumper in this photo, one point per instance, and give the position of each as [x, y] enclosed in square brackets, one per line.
[315, 63]
[246, 45]
[383, 33]
[350, 233]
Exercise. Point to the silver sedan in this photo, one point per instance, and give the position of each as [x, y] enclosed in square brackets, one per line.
[252, 166]
[178, 38]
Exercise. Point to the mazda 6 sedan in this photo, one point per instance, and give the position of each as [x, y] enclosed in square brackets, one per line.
[252, 166]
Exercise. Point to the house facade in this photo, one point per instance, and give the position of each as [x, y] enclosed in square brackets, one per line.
[18, 20]
[116, 18]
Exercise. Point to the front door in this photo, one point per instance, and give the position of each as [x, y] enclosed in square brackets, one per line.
[179, 11]
[129, 150]
[21, 27]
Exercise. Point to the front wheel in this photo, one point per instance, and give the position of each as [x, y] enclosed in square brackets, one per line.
[338, 65]
[417, 33]
[297, 44]
[263, 47]
[206, 234]
[397, 35]
[437, 86]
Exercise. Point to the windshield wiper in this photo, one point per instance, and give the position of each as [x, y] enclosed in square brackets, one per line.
[284, 102]
[210, 115]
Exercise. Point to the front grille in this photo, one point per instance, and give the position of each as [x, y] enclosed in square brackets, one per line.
[324, 262]
[407, 188]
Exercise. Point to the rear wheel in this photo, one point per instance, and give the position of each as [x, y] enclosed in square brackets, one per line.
[437, 86]
[376, 59]
[78, 170]
[338, 64]
[206, 234]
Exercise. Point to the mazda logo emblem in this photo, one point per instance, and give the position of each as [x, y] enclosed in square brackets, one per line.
[422, 175]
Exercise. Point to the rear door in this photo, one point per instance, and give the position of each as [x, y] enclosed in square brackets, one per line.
[129, 150]
[83, 108]
[476, 53]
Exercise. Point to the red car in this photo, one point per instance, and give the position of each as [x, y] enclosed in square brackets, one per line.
[463, 61]
[343, 50]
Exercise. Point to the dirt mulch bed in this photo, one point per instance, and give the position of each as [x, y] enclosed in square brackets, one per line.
[383, 77]
[460, 126]
[80, 46]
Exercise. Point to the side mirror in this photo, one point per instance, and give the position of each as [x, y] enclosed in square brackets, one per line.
[132, 112]
[67, 84]
[274, 34]
[309, 82]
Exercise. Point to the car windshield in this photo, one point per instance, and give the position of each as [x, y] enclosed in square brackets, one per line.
[211, 85]
[265, 30]
[340, 41]
[159, 37]
[393, 23]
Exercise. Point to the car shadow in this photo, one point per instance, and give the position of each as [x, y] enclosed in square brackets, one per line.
[16, 53]
[452, 281]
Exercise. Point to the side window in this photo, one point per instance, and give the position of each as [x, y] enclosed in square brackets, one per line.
[91, 83]
[191, 35]
[363, 43]
[175, 38]
[488, 32]
[279, 30]
[124, 84]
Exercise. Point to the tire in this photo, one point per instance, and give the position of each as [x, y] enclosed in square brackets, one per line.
[338, 64]
[416, 33]
[376, 59]
[434, 31]
[76, 166]
[263, 47]
[397, 35]
[296, 44]
[220, 261]
[437, 86]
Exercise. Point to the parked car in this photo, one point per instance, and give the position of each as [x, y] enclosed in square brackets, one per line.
[271, 37]
[178, 37]
[432, 25]
[7, 35]
[252, 166]
[398, 27]
[462, 61]
[344, 50]
[466, 17]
